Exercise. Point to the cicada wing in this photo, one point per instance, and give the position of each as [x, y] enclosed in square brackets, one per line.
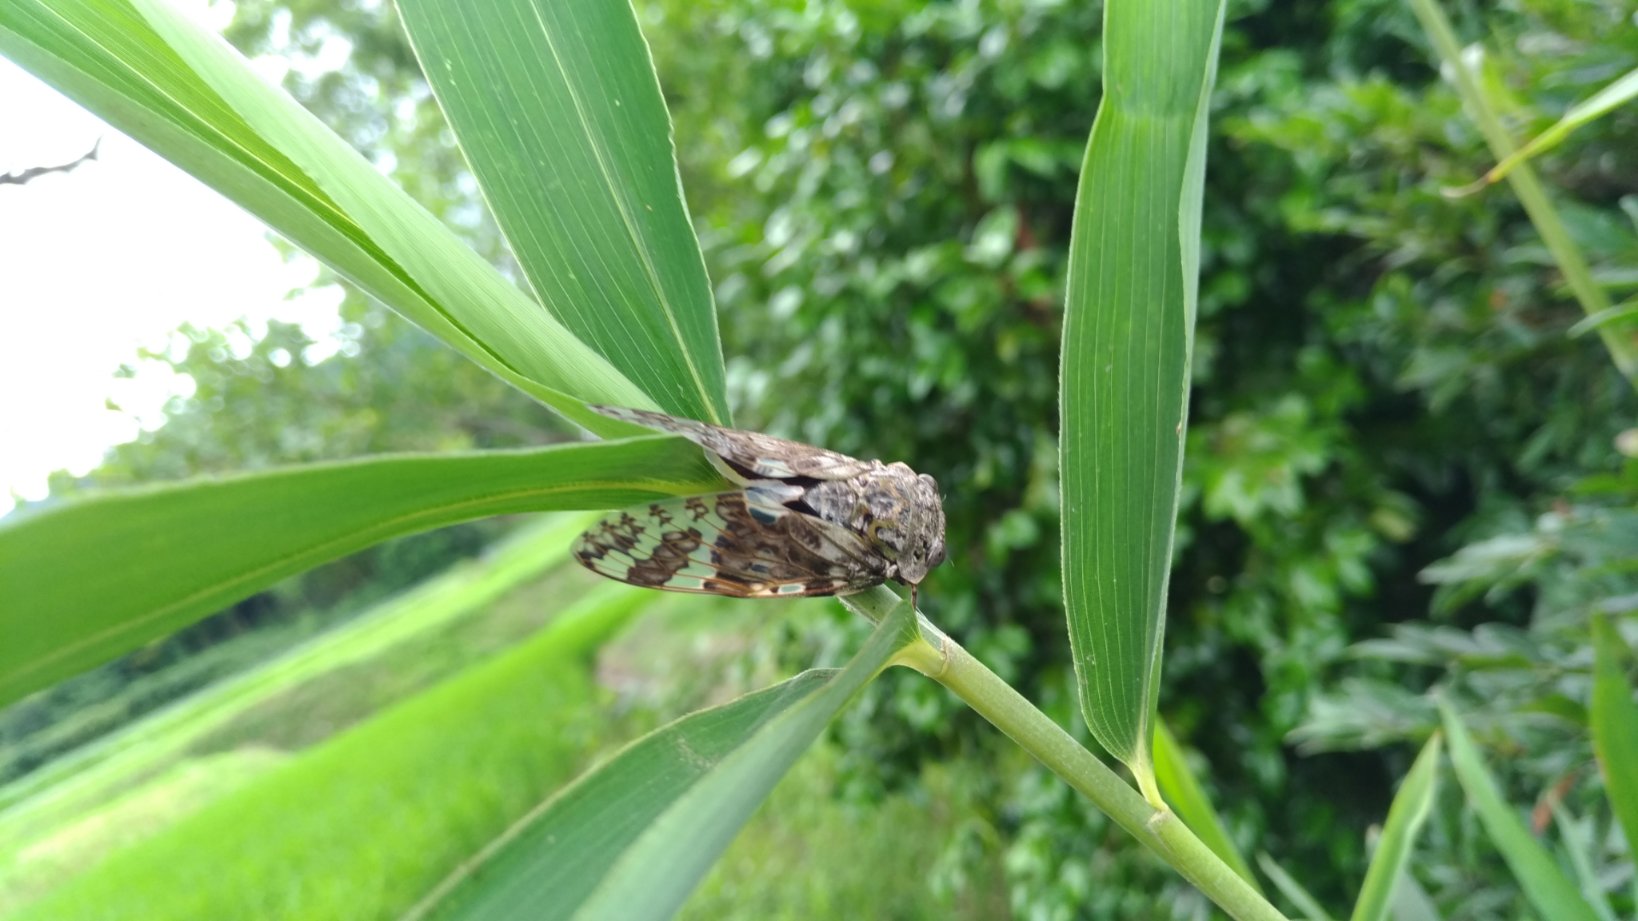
[752, 455]
[741, 543]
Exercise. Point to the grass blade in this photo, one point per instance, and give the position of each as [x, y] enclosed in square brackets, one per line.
[1308, 906]
[89, 580]
[1621, 344]
[1618, 93]
[1410, 809]
[1183, 791]
[1578, 848]
[1128, 329]
[1412, 903]
[631, 839]
[1614, 719]
[1544, 884]
[559, 113]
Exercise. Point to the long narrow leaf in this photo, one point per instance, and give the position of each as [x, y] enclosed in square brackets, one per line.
[1412, 903]
[630, 840]
[1185, 795]
[1307, 906]
[88, 580]
[1410, 809]
[1128, 329]
[1458, 66]
[1578, 845]
[1544, 884]
[1614, 720]
[182, 92]
[1618, 93]
[560, 116]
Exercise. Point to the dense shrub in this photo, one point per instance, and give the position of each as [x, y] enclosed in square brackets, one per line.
[1383, 374]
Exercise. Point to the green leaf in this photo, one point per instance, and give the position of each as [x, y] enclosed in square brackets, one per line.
[1188, 799]
[1614, 720]
[1624, 311]
[1306, 904]
[1412, 903]
[1410, 809]
[558, 110]
[184, 93]
[1620, 92]
[1128, 334]
[89, 580]
[1544, 884]
[631, 839]
[1485, 104]
[1578, 840]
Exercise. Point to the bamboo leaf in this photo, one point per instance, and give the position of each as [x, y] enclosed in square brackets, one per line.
[182, 92]
[1544, 884]
[1409, 811]
[1128, 330]
[89, 580]
[630, 840]
[560, 115]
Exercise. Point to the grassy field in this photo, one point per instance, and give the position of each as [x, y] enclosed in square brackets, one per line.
[455, 603]
[345, 778]
[361, 825]
[161, 769]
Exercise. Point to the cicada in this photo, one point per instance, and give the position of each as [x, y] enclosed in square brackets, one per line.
[802, 521]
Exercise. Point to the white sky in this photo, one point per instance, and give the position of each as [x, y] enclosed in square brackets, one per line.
[100, 262]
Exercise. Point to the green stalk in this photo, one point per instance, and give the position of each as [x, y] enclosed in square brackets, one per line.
[1532, 195]
[1160, 830]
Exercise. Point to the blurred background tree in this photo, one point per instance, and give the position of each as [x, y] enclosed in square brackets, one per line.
[1403, 465]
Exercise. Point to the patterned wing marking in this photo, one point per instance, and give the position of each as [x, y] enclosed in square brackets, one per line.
[739, 543]
[754, 453]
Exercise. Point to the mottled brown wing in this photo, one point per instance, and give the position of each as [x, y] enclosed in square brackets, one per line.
[741, 543]
[757, 454]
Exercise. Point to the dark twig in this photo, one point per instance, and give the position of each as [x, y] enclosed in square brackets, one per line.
[22, 176]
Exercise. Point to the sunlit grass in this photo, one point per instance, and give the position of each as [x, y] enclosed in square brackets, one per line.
[315, 796]
[362, 825]
[808, 854]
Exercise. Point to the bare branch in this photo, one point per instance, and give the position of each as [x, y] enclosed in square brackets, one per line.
[22, 176]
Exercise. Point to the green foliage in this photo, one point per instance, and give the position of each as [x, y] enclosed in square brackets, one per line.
[1411, 805]
[1381, 373]
[259, 398]
[632, 837]
[102, 575]
[406, 796]
[808, 854]
[1130, 299]
[564, 127]
[275, 696]
[1614, 720]
[1386, 379]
